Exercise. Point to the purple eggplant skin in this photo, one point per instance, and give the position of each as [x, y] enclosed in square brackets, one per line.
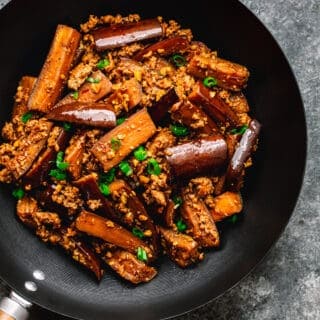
[119, 35]
[198, 157]
[242, 153]
[90, 114]
[159, 110]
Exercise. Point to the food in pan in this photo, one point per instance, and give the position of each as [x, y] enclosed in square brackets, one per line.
[132, 142]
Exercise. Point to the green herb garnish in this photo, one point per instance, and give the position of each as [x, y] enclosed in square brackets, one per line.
[140, 153]
[233, 219]
[153, 167]
[104, 189]
[137, 232]
[210, 82]
[125, 168]
[61, 165]
[115, 144]
[108, 177]
[240, 130]
[142, 255]
[58, 174]
[178, 60]
[181, 226]
[121, 120]
[177, 201]
[75, 95]
[26, 117]
[103, 63]
[67, 126]
[18, 193]
[92, 80]
[179, 130]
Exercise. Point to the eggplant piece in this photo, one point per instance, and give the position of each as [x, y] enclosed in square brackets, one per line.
[226, 205]
[39, 171]
[165, 47]
[128, 267]
[54, 73]
[90, 190]
[194, 118]
[229, 75]
[138, 214]
[213, 104]
[200, 222]
[198, 157]
[90, 114]
[107, 230]
[135, 131]
[89, 92]
[181, 248]
[242, 153]
[160, 109]
[118, 35]
[169, 214]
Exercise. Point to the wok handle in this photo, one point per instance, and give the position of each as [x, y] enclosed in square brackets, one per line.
[14, 308]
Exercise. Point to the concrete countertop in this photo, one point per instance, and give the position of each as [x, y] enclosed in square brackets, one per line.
[286, 285]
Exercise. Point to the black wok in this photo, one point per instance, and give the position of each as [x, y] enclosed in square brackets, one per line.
[272, 186]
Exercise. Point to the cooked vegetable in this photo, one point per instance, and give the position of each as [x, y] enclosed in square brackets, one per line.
[210, 82]
[118, 35]
[103, 63]
[153, 167]
[125, 168]
[179, 130]
[140, 153]
[18, 193]
[53, 75]
[240, 130]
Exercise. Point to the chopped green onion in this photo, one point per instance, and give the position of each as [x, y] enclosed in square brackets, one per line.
[178, 60]
[104, 189]
[108, 177]
[115, 144]
[210, 82]
[75, 95]
[92, 80]
[18, 193]
[140, 153]
[61, 165]
[233, 219]
[103, 63]
[153, 167]
[125, 168]
[179, 130]
[67, 126]
[177, 201]
[181, 226]
[26, 117]
[137, 232]
[240, 130]
[142, 255]
[121, 120]
[58, 174]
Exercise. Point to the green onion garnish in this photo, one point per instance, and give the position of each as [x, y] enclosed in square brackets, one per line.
[103, 63]
[67, 126]
[58, 174]
[104, 189]
[115, 144]
[125, 168]
[140, 153]
[121, 120]
[92, 80]
[153, 167]
[210, 82]
[179, 130]
[108, 177]
[181, 226]
[26, 117]
[142, 255]
[240, 130]
[177, 201]
[137, 232]
[18, 193]
[75, 95]
[178, 60]
[61, 165]
[233, 219]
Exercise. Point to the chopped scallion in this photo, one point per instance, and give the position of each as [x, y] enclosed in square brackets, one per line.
[103, 63]
[233, 219]
[67, 126]
[92, 80]
[115, 144]
[240, 130]
[140, 153]
[177, 201]
[142, 255]
[75, 95]
[125, 168]
[181, 226]
[178, 60]
[121, 120]
[137, 232]
[153, 167]
[104, 189]
[58, 174]
[18, 193]
[179, 130]
[61, 165]
[26, 117]
[108, 177]
[210, 82]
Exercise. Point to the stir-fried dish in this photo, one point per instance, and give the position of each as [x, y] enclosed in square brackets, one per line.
[132, 142]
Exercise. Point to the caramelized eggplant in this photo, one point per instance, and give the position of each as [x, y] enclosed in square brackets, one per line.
[118, 35]
[169, 214]
[198, 157]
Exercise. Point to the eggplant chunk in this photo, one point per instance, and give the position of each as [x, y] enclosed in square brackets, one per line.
[90, 114]
[169, 214]
[160, 109]
[135, 131]
[118, 35]
[213, 104]
[54, 73]
[89, 92]
[230, 75]
[181, 248]
[242, 153]
[127, 266]
[109, 231]
[164, 47]
[226, 204]
[198, 157]
[200, 222]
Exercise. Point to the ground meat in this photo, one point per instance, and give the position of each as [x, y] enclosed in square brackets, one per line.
[202, 186]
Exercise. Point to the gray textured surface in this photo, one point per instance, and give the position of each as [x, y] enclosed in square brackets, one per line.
[287, 284]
